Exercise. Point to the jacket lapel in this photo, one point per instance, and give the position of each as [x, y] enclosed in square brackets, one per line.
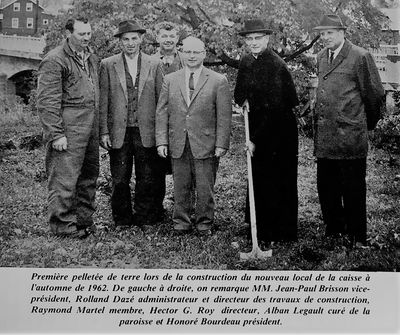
[202, 80]
[182, 86]
[339, 58]
[120, 70]
[144, 73]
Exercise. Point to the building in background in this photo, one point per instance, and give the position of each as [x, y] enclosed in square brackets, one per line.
[387, 57]
[23, 18]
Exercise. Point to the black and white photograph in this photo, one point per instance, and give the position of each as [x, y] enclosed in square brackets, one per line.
[206, 165]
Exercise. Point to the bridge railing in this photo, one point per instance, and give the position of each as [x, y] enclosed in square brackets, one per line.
[23, 44]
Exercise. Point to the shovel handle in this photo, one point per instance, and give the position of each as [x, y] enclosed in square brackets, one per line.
[250, 178]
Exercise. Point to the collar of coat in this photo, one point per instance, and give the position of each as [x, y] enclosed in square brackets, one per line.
[178, 57]
[71, 53]
[324, 66]
[268, 59]
[204, 75]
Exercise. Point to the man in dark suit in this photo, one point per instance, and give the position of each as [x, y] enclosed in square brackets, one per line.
[349, 98]
[128, 83]
[193, 122]
[265, 82]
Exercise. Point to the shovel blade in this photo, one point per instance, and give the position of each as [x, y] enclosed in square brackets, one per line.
[256, 253]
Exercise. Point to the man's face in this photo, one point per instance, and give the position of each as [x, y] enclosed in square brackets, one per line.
[257, 42]
[81, 35]
[194, 54]
[130, 43]
[167, 39]
[332, 38]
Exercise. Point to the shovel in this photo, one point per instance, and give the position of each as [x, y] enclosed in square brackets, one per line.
[256, 252]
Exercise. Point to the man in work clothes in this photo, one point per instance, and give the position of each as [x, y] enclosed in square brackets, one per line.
[128, 84]
[348, 102]
[68, 109]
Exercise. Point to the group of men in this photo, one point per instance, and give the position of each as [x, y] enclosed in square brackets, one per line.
[152, 111]
[148, 112]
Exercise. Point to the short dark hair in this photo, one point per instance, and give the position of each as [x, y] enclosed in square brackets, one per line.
[165, 25]
[71, 21]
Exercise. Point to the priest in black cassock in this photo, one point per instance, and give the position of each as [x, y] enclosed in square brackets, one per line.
[265, 81]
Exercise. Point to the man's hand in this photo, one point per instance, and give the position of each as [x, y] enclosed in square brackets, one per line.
[105, 141]
[251, 147]
[60, 144]
[162, 151]
[219, 152]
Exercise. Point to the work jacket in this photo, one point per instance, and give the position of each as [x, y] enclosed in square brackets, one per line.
[68, 92]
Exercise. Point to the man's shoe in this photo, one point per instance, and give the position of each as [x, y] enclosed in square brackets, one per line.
[204, 229]
[181, 228]
[78, 233]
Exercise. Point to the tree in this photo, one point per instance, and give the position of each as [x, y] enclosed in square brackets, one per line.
[217, 23]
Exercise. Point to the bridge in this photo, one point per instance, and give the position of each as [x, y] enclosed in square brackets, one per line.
[19, 59]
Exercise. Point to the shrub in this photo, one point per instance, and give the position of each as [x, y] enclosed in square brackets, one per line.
[387, 132]
[14, 111]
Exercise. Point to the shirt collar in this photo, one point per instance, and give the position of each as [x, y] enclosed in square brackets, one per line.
[336, 52]
[195, 72]
[131, 60]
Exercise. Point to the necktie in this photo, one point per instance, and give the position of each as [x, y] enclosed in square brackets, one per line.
[191, 85]
[331, 57]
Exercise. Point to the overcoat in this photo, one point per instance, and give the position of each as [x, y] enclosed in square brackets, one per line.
[349, 98]
[206, 120]
[114, 99]
[268, 86]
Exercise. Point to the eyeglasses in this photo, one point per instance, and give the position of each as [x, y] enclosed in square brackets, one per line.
[195, 53]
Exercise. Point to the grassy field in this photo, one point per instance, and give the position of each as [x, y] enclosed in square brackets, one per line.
[25, 240]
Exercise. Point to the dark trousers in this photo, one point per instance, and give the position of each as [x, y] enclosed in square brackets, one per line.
[204, 172]
[342, 194]
[72, 176]
[150, 181]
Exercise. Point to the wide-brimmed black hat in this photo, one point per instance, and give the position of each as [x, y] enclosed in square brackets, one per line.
[330, 21]
[128, 26]
[254, 26]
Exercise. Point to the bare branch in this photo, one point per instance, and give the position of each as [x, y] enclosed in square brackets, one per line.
[189, 16]
[301, 50]
[338, 6]
[195, 20]
[205, 14]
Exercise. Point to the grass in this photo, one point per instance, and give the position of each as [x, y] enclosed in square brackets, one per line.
[25, 240]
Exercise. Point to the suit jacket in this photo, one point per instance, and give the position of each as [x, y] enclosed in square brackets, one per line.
[349, 97]
[176, 65]
[206, 120]
[114, 99]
